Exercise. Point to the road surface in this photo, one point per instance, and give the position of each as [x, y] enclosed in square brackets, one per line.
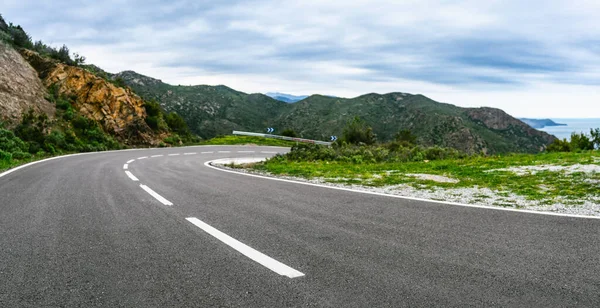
[158, 228]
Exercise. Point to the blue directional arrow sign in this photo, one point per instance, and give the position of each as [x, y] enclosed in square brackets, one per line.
[270, 130]
[333, 138]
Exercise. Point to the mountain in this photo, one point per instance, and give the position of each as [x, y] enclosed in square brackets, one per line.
[468, 129]
[208, 110]
[540, 123]
[216, 110]
[286, 98]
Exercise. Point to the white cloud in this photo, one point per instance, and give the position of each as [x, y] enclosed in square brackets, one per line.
[531, 58]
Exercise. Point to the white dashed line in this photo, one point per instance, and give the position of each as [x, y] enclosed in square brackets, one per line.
[267, 152]
[190, 153]
[125, 166]
[130, 161]
[206, 152]
[131, 176]
[143, 157]
[245, 151]
[224, 152]
[246, 250]
[177, 154]
[157, 156]
[158, 197]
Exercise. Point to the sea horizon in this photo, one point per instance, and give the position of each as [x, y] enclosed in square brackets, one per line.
[573, 125]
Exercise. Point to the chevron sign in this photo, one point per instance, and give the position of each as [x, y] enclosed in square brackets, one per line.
[270, 130]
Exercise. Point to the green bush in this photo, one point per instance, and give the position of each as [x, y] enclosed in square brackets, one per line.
[289, 133]
[368, 154]
[5, 156]
[357, 131]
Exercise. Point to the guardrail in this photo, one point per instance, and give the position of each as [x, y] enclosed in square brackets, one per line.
[235, 132]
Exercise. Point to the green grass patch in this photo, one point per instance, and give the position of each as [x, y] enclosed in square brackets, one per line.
[236, 140]
[477, 171]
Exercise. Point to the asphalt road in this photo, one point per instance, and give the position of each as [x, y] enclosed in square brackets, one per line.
[79, 232]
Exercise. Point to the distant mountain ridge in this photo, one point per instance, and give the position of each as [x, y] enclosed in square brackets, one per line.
[217, 110]
[540, 123]
[287, 98]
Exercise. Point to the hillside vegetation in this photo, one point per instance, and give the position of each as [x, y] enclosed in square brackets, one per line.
[211, 111]
[50, 104]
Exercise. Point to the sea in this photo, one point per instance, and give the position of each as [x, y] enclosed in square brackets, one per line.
[573, 126]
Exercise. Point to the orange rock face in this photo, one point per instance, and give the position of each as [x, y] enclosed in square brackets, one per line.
[118, 110]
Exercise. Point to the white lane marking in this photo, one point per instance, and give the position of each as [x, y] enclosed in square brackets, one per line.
[192, 153]
[206, 152]
[246, 250]
[143, 157]
[125, 166]
[131, 176]
[268, 152]
[130, 161]
[177, 154]
[224, 152]
[156, 196]
[208, 164]
[157, 155]
[245, 151]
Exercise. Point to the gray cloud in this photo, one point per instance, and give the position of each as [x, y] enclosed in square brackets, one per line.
[453, 45]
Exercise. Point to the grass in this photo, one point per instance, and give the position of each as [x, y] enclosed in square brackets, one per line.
[9, 164]
[474, 172]
[235, 140]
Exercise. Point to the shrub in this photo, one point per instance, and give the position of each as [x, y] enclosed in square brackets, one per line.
[289, 133]
[357, 131]
[5, 156]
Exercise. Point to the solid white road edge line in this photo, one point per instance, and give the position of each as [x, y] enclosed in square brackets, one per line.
[131, 176]
[246, 250]
[130, 161]
[208, 164]
[125, 166]
[156, 196]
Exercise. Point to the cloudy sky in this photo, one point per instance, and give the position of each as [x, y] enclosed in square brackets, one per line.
[530, 58]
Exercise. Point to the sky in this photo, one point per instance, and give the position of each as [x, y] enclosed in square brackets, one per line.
[529, 58]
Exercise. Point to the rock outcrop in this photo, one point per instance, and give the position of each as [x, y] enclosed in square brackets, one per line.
[20, 88]
[119, 111]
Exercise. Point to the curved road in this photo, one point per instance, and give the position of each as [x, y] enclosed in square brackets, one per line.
[79, 232]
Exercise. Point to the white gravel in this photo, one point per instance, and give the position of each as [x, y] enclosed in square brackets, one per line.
[473, 195]
[526, 170]
[432, 177]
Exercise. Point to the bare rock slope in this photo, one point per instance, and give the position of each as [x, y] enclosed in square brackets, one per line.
[118, 110]
[20, 88]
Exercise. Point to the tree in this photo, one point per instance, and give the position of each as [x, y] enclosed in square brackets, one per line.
[357, 131]
[405, 136]
[3, 25]
[79, 59]
[595, 133]
[581, 142]
[289, 133]
[177, 124]
[20, 37]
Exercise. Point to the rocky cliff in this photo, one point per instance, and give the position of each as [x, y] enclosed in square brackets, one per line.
[20, 88]
[119, 111]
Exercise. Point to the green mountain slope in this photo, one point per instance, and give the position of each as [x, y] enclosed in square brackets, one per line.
[208, 110]
[214, 110]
